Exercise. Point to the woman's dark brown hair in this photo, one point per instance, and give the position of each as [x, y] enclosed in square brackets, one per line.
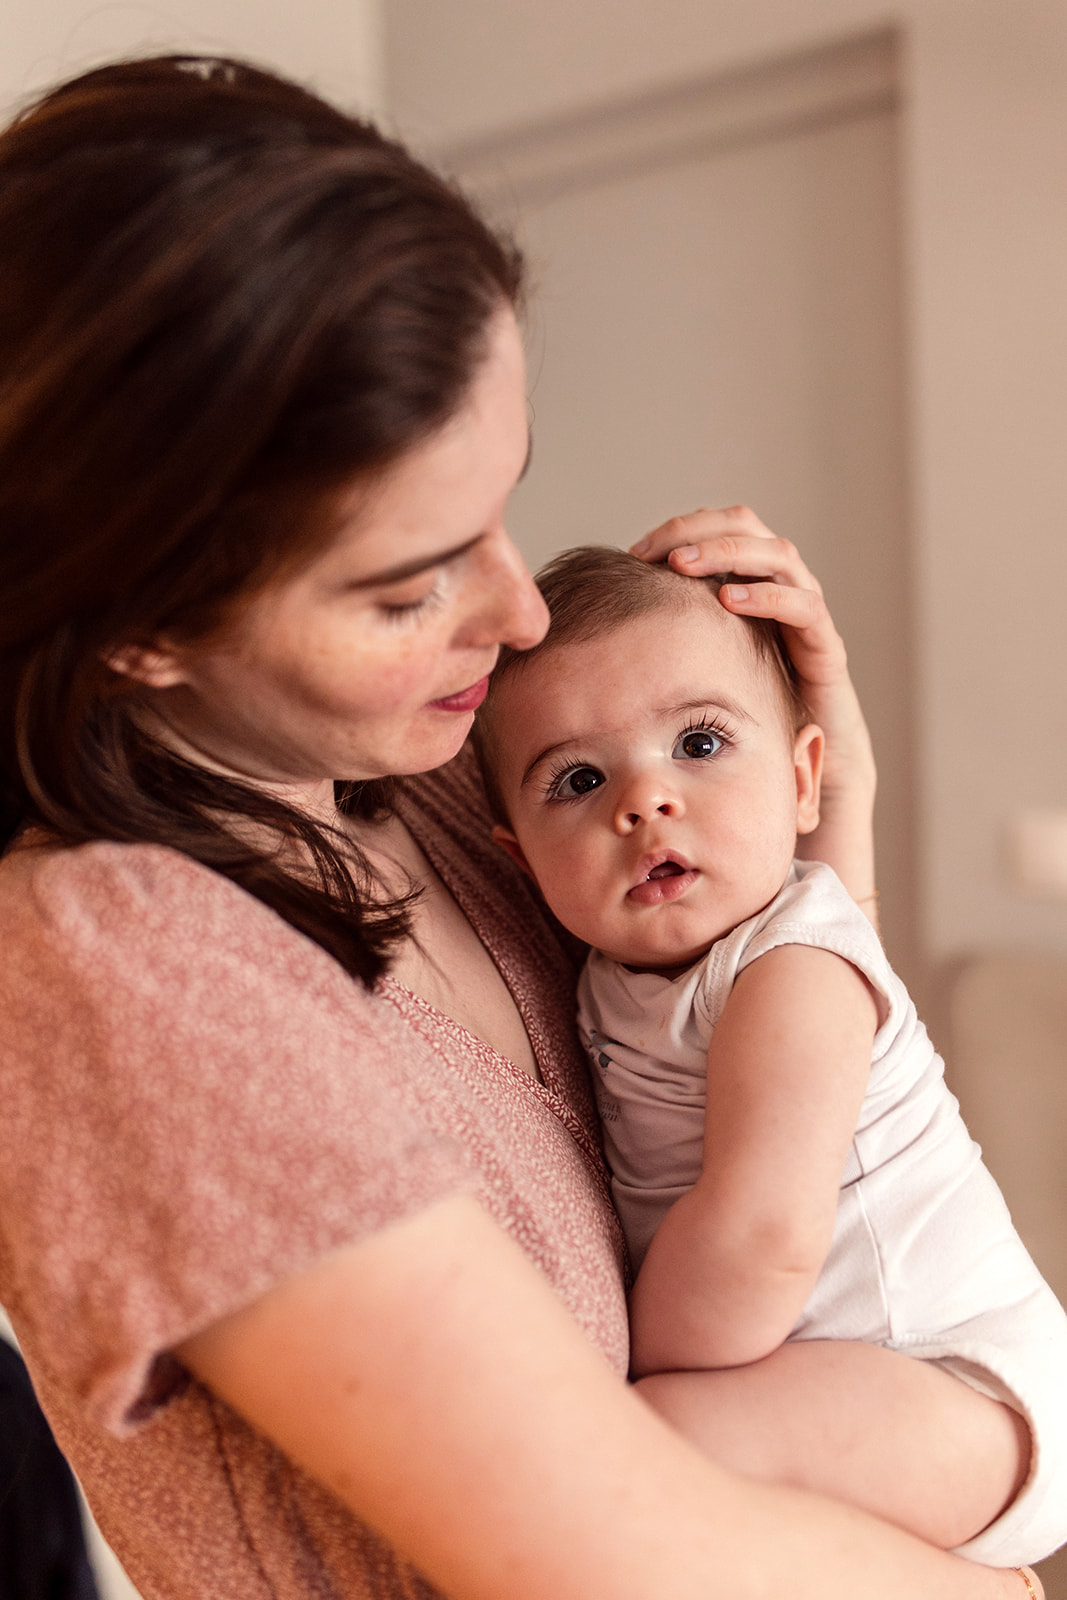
[221, 300]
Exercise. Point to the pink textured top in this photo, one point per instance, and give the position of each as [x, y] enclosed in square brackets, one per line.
[198, 1103]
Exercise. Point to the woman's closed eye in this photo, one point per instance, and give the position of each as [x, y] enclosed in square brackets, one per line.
[408, 603]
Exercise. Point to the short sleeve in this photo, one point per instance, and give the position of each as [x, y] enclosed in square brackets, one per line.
[814, 908]
[198, 1104]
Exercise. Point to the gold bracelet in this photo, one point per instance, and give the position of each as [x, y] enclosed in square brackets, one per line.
[1025, 1574]
[864, 898]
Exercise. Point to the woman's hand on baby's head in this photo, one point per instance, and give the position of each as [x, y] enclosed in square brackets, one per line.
[734, 540]
[780, 587]
[774, 582]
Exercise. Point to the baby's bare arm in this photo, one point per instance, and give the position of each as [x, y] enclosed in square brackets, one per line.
[734, 1261]
[897, 1437]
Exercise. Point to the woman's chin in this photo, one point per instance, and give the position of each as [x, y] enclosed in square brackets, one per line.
[435, 749]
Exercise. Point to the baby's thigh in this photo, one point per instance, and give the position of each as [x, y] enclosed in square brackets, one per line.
[896, 1436]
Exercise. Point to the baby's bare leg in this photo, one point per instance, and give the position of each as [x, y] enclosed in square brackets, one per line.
[895, 1436]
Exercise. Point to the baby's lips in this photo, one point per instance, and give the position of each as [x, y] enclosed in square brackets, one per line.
[671, 886]
[654, 859]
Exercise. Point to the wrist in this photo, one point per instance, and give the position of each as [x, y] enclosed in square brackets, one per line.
[850, 783]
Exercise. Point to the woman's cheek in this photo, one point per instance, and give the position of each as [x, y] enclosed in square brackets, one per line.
[376, 682]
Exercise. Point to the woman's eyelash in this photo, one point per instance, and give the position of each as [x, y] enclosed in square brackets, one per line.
[408, 610]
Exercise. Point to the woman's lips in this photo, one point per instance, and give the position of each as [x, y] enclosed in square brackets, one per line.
[466, 700]
[672, 880]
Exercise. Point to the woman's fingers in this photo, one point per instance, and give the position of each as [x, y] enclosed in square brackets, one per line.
[814, 643]
[696, 526]
[796, 608]
[734, 540]
[729, 540]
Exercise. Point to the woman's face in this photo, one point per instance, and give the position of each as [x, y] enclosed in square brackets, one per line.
[372, 658]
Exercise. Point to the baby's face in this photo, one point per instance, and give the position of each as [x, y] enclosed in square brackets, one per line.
[654, 784]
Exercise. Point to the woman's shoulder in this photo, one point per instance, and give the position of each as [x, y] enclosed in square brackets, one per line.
[120, 893]
[40, 872]
[102, 925]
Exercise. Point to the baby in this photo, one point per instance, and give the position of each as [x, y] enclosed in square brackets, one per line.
[829, 1290]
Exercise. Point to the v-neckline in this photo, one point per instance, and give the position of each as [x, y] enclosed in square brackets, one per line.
[453, 884]
[473, 895]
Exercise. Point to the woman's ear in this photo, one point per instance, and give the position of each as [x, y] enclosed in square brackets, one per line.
[156, 666]
[807, 766]
[511, 846]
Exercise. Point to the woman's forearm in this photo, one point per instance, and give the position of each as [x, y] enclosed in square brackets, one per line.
[844, 838]
[508, 1459]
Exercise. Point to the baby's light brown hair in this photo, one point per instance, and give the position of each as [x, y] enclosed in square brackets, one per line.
[594, 589]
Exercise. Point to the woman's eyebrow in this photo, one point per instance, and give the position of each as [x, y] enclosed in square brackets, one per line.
[411, 569]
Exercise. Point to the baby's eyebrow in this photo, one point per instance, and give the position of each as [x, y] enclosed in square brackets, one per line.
[544, 754]
[705, 703]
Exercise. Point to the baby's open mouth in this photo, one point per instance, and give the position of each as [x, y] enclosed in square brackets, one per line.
[663, 882]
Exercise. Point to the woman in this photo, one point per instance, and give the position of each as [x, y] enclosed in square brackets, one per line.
[305, 1232]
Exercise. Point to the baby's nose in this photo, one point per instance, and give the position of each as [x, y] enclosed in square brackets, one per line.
[642, 800]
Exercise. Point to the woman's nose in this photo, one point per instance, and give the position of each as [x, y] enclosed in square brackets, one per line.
[644, 797]
[512, 610]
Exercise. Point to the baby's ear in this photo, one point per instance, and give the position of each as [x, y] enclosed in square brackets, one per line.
[508, 843]
[807, 766]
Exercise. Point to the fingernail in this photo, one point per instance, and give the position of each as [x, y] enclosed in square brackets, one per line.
[687, 552]
[734, 591]
[640, 547]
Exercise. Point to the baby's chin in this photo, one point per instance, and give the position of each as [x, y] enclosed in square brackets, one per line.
[667, 963]
[663, 972]
[670, 957]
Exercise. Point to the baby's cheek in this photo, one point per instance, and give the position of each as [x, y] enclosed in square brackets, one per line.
[587, 912]
[564, 889]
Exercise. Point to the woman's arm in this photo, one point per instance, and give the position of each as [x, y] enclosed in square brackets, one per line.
[735, 540]
[734, 1260]
[430, 1378]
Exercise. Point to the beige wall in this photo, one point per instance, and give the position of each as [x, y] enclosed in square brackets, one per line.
[985, 233]
[335, 45]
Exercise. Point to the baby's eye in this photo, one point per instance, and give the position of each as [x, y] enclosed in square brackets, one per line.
[576, 781]
[696, 744]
